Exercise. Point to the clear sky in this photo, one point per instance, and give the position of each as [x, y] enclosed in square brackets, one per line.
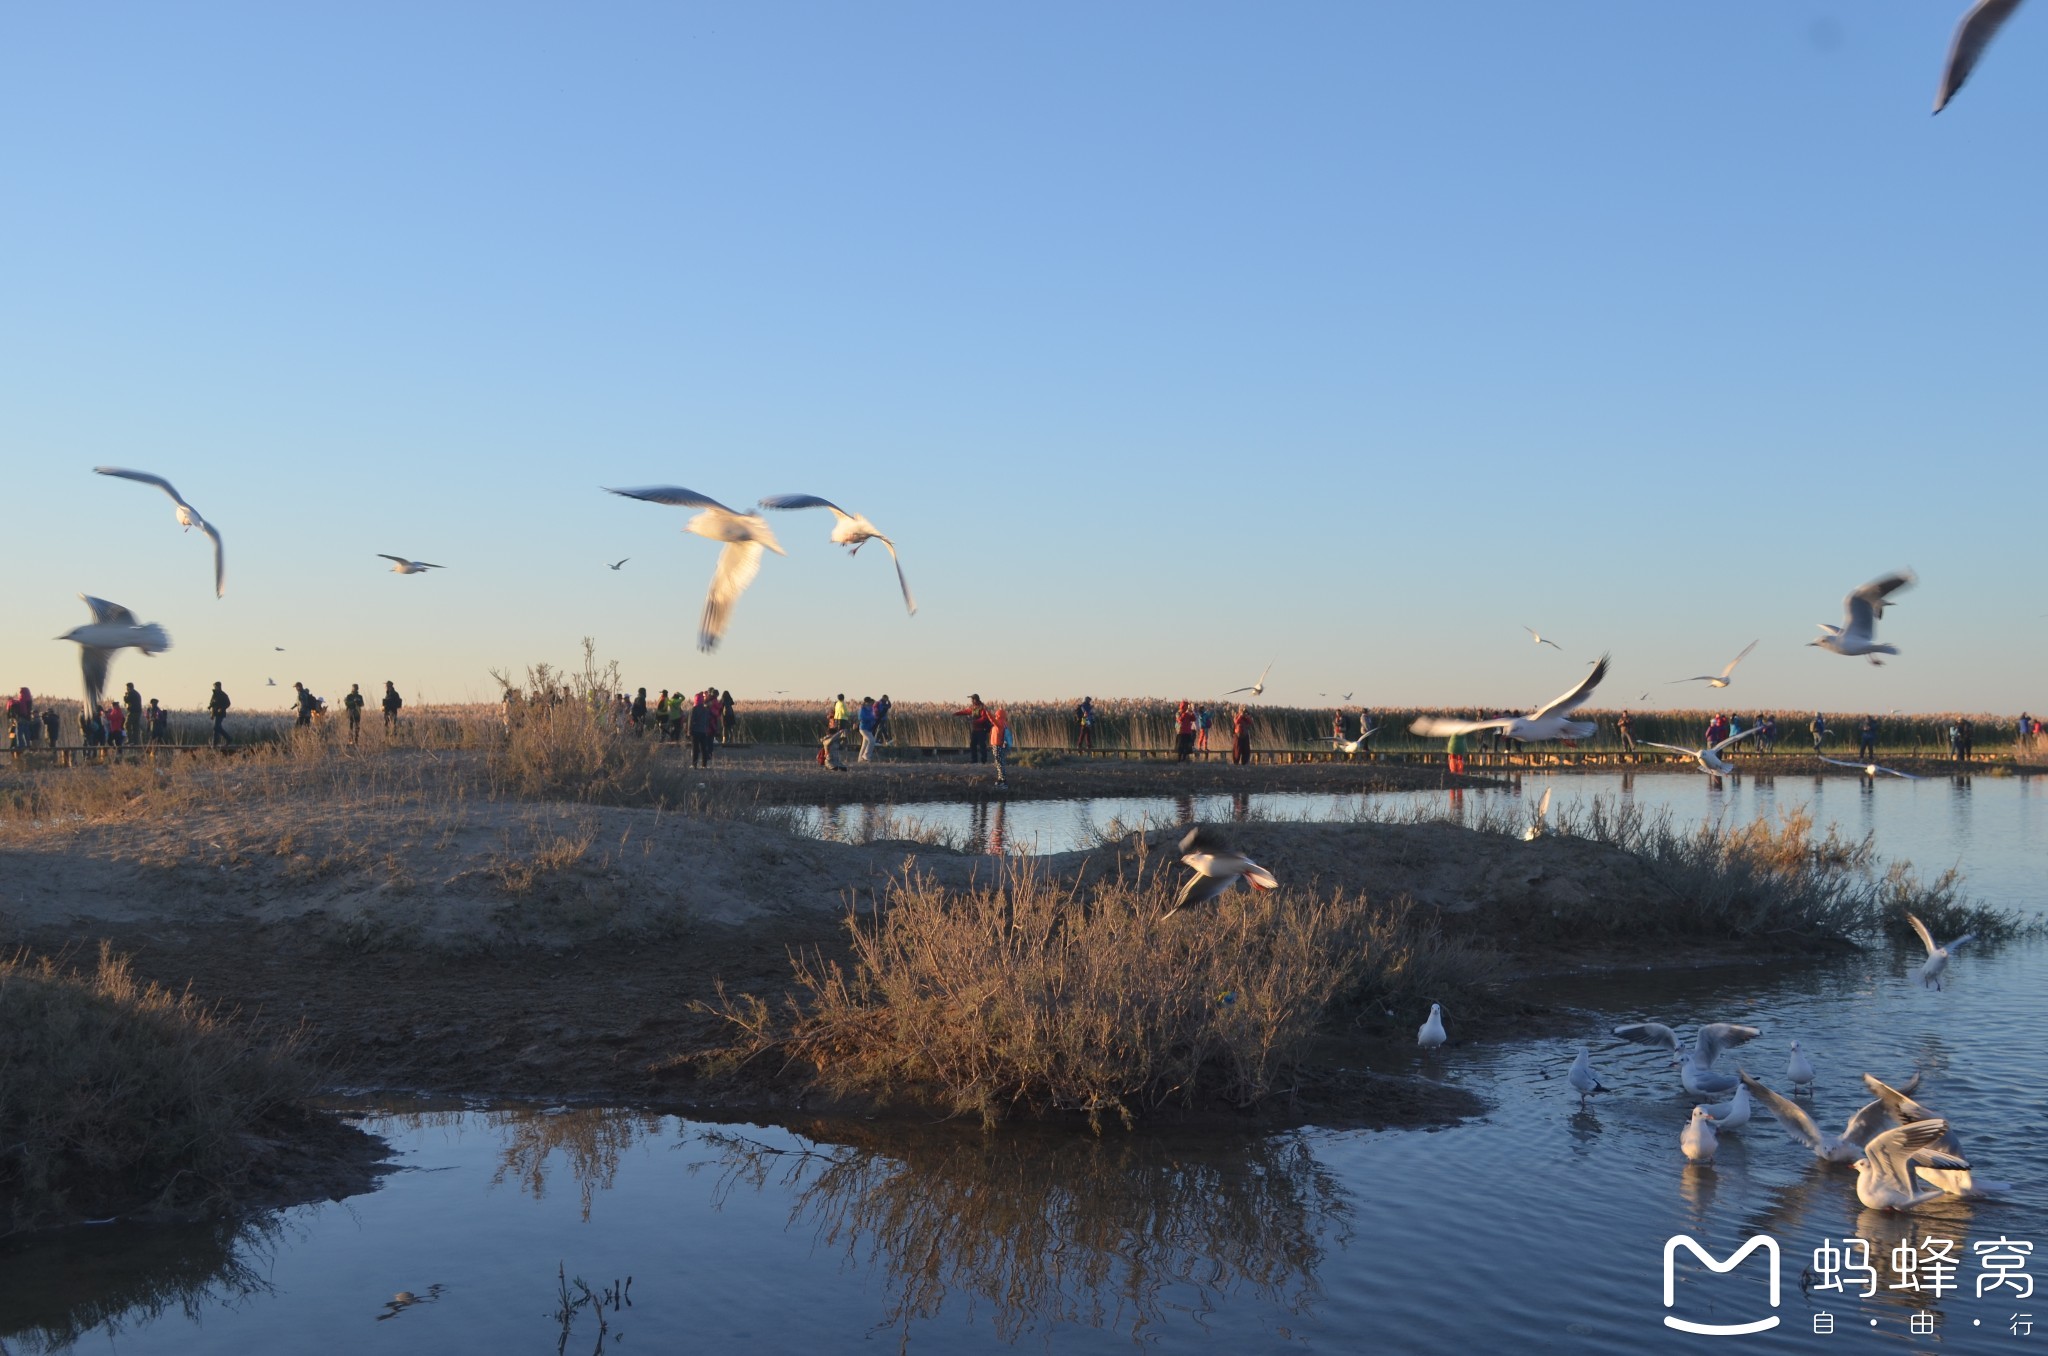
[1166, 340]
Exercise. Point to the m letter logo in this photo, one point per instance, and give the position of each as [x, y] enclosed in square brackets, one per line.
[1671, 1246]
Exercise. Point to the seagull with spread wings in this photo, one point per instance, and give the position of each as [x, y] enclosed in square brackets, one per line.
[1696, 1069]
[1928, 972]
[1549, 721]
[1826, 1145]
[1216, 870]
[621, 564]
[188, 517]
[745, 536]
[1857, 635]
[1709, 758]
[1713, 680]
[1541, 639]
[1256, 688]
[112, 628]
[850, 530]
[1872, 769]
[1973, 35]
[405, 566]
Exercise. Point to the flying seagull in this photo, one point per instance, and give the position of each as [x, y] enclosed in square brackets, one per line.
[1541, 823]
[1551, 721]
[1872, 769]
[188, 517]
[1827, 1146]
[1541, 640]
[622, 562]
[1353, 747]
[745, 536]
[1973, 35]
[1256, 688]
[1697, 1068]
[1903, 1109]
[1215, 871]
[405, 566]
[1709, 758]
[112, 628]
[850, 530]
[1929, 970]
[1860, 613]
[1710, 679]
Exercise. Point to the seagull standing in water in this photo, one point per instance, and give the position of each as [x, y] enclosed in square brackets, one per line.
[1709, 758]
[1542, 640]
[1929, 970]
[1973, 35]
[404, 566]
[1432, 1034]
[188, 517]
[1733, 1113]
[1799, 1069]
[1696, 1069]
[112, 628]
[850, 530]
[1711, 680]
[1884, 1174]
[1857, 635]
[1697, 1141]
[1582, 1076]
[745, 536]
[1550, 721]
[1215, 872]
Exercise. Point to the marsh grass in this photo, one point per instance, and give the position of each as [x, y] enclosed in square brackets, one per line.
[116, 1095]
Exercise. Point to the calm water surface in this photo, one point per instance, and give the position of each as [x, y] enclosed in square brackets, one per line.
[1540, 1225]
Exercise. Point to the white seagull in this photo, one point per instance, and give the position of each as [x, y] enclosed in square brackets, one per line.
[850, 530]
[188, 517]
[1799, 1069]
[1697, 1141]
[1541, 823]
[1215, 872]
[1541, 640]
[405, 566]
[1582, 1076]
[112, 628]
[1929, 971]
[1872, 769]
[745, 536]
[1355, 746]
[1884, 1174]
[1709, 758]
[1733, 1113]
[1828, 1147]
[1431, 1033]
[1550, 721]
[1903, 1109]
[1973, 35]
[1860, 613]
[1696, 1069]
[1256, 688]
[1711, 680]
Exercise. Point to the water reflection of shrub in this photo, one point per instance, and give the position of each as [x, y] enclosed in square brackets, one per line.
[82, 1282]
[1054, 1229]
[590, 1139]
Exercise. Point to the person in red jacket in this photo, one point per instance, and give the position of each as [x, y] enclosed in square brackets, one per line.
[1241, 736]
[1183, 732]
[977, 729]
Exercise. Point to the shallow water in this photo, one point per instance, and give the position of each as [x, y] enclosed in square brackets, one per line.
[1540, 1225]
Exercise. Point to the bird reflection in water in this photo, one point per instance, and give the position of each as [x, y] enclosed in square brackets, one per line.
[1697, 1183]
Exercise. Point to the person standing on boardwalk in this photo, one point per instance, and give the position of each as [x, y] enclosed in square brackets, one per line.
[1183, 731]
[21, 712]
[728, 729]
[1626, 729]
[977, 728]
[1866, 739]
[999, 740]
[1203, 720]
[883, 735]
[1084, 717]
[867, 729]
[159, 723]
[838, 718]
[700, 731]
[393, 704]
[1969, 729]
[116, 725]
[639, 714]
[1241, 736]
[712, 696]
[50, 726]
[131, 710]
[217, 706]
[1454, 751]
[353, 703]
[1819, 726]
[1337, 727]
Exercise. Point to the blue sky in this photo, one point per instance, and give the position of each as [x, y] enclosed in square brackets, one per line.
[1165, 339]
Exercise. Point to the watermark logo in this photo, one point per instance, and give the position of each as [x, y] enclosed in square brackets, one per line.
[1671, 1246]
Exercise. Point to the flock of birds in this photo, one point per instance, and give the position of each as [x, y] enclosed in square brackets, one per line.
[745, 537]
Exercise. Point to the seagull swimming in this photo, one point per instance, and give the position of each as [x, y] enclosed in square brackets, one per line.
[621, 563]
[112, 628]
[1973, 35]
[1884, 1174]
[1540, 824]
[1929, 970]
[1872, 769]
[1710, 679]
[1828, 1147]
[405, 566]
[1540, 640]
[1256, 688]
[1860, 613]
[1431, 1033]
[1550, 721]
[1582, 1076]
[1733, 1113]
[850, 530]
[745, 536]
[1709, 758]
[188, 517]
[1215, 872]
[1696, 1069]
[1697, 1141]
[1899, 1104]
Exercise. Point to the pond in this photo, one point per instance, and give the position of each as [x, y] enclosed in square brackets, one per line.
[1541, 1224]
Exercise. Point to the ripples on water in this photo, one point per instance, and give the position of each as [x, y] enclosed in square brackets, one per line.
[1540, 1225]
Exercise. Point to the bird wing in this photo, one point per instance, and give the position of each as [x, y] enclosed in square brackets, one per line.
[106, 613]
[1733, 739]
[1543, 806]
[429, 565]
[800, 501]
[1574, 699]
[1899, 1105]
[1444, 725]
[1668, 748]
[1966, 937]
[1862, 608]
[1926, 937]
[147, 479]
[1649, 1033]
[1790, 1114]
[1870, 1118]
[1696, 678]
[674, 495]
[400, 559]
[1889, 1154]
[901, 582]
[1839, 763]
[1189, 839]
[1718, 1036]
[738, 563]
[1738, 658]
[220, 569]
[1259, 876]
[92, 661]
[1973, 35]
